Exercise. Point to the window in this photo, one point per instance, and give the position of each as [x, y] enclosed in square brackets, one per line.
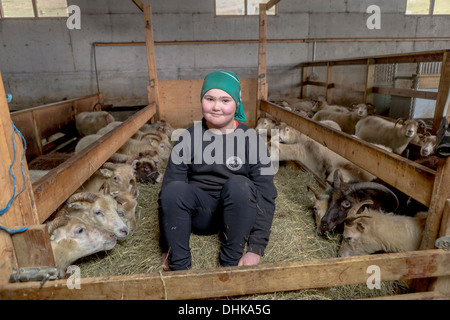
[428, 7]
[241, 7]
[33, 8]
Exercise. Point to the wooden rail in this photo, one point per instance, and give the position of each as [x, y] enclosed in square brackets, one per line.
[56, 186]
[43, 121]
[232, 281]
[409, 177]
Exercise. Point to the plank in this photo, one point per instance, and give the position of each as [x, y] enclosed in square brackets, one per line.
[405, 175]
[231, 281]
[443, 92]
[370, 77]
[409, 93]
[28, 253]
[22, 210]
[152, 88]
[56, 186]
[262, 93]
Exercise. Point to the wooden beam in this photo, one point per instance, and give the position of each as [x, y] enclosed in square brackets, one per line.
[262, 93]
[405, 175]
[139, 4]
[231, 281]
[152, 88]
[270, 4]
[329, 85]
[441, 192]
[370, 78]
[443, 92]
[403, 92]
[22, 210]
[56, 186]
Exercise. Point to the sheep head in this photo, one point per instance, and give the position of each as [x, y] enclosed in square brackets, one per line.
[346, 194]
[72, 238]
[428, 144]
[119, 175]
[98, 209]
[409, 127]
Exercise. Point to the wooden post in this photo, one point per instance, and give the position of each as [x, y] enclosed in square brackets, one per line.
[22, 210]
[368, 93]
[304, 87]
[329, 88]
[262, 92]
[152, 88]
[443, 92]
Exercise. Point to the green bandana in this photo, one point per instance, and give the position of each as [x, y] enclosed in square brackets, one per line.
[228, 82]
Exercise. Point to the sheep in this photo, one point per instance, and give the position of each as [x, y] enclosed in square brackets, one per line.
[266, 124]
[147, 164]
[98, 209]
[90, 122]
[381, 131]
[346, 194]
[160, 126]
[72, 238]
[126, 206]
[119, 176]
[428, 144]
[317, 158]
[321, 203]
[323, 105]
[346, 119]
[373, 231]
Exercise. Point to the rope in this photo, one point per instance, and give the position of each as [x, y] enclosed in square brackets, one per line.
[14, 195]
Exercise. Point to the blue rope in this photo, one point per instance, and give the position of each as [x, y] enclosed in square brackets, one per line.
[14, 196]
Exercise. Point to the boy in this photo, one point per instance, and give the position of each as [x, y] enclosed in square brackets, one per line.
[219, 178]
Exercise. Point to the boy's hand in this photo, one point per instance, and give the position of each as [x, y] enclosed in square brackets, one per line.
[249, 259]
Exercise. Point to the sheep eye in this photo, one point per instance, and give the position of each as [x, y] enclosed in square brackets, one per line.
[121, 213]
[116, 178]
[80, 230]
[98, 213]
[346, 204]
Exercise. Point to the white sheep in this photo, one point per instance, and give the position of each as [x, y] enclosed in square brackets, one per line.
[126, 206]
[373, 230]
[120, 177]
[72, 238]
[316, 157]
[90, 122]
[384, 132]
[346, 119]
[98, 209]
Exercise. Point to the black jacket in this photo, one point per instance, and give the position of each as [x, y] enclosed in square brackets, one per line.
[206, 160]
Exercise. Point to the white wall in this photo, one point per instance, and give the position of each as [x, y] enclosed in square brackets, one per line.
[42, 61]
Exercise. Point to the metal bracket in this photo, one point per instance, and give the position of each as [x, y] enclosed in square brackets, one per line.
[443, 243]
[41, 274]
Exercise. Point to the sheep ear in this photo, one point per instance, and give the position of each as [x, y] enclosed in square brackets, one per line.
[106, 173]
[361, 226]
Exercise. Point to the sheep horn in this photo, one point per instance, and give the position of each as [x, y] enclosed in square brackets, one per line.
[57, 223]
[374, 186]
[353, 218]
[422, 123]
[399, 120]
[354, 209]
[156, 136]
[106, 188]
[316, 192]
[82, 196]
[110, 165]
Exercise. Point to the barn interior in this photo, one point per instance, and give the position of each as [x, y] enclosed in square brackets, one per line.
[144, 61]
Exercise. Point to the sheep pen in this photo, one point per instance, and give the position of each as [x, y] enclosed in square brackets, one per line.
[293, 238]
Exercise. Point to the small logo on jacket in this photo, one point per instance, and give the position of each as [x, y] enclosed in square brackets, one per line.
[234, 163]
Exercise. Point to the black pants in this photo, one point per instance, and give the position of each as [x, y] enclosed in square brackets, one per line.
[185, 208]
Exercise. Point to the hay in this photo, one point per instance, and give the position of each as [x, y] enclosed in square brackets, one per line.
[293, 238]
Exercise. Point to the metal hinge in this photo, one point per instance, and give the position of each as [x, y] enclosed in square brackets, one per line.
[41, 274]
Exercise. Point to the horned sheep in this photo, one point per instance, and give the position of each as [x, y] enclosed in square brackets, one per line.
[384, 132]
[373, 230]
[71, 238]
[98, 209]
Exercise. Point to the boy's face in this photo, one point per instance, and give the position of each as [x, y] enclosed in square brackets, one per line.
[218, 109]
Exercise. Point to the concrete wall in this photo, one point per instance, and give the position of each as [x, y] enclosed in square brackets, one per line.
[42, 61]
